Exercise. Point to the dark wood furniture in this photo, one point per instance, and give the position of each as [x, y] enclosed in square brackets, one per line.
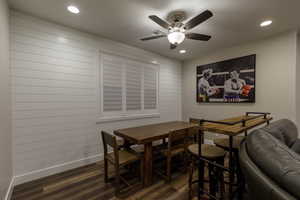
[177, 144]
[216, 179]
[236, 142]
[146, 135]
[230, 127]
[118, 158]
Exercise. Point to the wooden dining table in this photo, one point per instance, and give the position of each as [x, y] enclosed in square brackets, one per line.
[146, 135]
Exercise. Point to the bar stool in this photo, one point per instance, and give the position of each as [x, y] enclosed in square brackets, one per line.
[224, 144]
[211, 153]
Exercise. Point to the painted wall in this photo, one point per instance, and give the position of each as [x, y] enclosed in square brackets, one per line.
[298, 81]
[5, 102]
[56, 95]
[275, 80]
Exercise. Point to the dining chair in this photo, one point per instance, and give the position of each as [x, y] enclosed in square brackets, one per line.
[118, 158]
[176, 145]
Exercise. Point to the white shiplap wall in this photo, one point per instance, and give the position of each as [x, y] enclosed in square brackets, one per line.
[55, 82]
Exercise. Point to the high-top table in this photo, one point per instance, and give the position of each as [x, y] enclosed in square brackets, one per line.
[230, 127]
[146, 135]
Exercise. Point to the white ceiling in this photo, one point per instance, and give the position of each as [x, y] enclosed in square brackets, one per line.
[234, 21]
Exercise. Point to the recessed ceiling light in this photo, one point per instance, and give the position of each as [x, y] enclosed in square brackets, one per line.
[73, 9]
[182, 51]
[266, 23]
[154, 62]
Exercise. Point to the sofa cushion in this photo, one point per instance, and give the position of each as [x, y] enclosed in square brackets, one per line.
[296, 146]
[259, 185]
[284, 130]
[276, 160]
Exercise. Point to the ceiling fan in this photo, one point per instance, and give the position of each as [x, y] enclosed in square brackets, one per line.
[177, 31]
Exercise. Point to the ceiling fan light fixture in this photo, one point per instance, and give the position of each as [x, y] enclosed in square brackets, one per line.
[266, 23]
[73, 9]
[176, 37]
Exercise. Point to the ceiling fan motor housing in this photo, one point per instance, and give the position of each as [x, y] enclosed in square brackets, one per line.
[176, 16]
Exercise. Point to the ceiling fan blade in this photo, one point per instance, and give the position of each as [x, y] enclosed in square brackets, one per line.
[173, 46]
[159, 21]
[152, 37]
[197, 36]
[198, 19]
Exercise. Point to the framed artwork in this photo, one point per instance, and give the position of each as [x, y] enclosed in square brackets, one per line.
[228, 81]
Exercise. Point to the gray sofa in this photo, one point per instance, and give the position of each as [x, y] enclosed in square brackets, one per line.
[270, 161]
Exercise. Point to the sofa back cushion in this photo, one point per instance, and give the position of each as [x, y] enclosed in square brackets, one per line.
[259, 185]
[275, 159]
[284, 130]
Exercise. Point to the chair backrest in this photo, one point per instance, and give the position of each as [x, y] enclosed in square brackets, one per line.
[110, 140]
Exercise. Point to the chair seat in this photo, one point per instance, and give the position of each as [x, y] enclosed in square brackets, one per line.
[174, 152]
[125, 157]
[207, 151]
[224, 142]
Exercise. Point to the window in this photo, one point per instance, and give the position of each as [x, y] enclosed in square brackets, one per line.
[129, 88]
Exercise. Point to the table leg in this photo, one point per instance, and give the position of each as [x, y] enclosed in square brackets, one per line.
[148, 164]
[200, 166]
[231, 172]
[127, 144]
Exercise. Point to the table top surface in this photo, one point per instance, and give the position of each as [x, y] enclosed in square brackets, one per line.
[233, 130]
[152, 132]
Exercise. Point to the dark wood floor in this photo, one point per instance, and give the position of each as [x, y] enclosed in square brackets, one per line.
[86, 183]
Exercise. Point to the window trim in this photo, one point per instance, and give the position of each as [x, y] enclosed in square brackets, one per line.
[124, 114]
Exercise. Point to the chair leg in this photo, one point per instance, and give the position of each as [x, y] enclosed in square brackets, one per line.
[202, 170]
[105, 170]
[191, 173]
[221, 178]
[185, 162]
[142, 171]
[117, 171]
[169, 168]
[240, 178]
[212, 182]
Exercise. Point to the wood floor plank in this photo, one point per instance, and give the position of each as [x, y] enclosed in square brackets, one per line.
[71, 180]
[87, 183]
[53, 178]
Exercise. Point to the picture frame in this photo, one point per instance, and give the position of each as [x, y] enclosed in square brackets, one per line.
[228, 81]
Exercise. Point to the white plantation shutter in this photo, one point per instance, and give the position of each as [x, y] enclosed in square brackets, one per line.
[112, 83]
[133, 86]
[128, 87]
[150, 88]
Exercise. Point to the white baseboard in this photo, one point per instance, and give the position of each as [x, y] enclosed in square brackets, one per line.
[55, 169]
[10, 189]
